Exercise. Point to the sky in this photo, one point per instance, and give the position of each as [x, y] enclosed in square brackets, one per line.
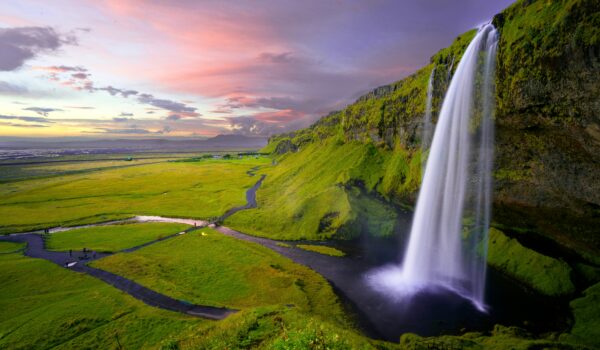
[185, 68]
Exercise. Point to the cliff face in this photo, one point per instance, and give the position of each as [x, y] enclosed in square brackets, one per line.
[548, 120]
[547, 169]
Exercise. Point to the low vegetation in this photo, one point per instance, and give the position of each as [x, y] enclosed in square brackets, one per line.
[10, 247]
[332, 194]
[321, 249]
[112, 238]
[205, 267]
[46, 306]
[546, 275]
[43, 167]
[586, 311]
[280, 328]
[202, 190]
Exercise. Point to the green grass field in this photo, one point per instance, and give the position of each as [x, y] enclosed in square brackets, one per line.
[321, 249]
[45, 306]
[213, 269]
[10, 247]
[199, 189]
[22, 169]
[112, 238]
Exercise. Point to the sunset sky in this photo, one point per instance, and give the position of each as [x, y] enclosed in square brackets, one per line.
[161, 68]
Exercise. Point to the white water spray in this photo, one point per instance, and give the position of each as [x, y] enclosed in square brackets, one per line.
[448, 238]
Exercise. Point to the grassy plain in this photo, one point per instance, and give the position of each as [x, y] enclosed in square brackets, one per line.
[321, 249]
[45, 306]
[199, 189]
[213, 269]
[10, 247]
[112, 238]
[22, 169]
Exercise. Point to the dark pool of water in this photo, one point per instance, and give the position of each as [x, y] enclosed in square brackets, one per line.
[437, 312]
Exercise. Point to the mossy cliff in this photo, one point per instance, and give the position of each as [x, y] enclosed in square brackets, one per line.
[547, 130]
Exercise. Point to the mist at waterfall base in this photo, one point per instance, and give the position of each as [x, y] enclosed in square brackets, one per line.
[447, 246]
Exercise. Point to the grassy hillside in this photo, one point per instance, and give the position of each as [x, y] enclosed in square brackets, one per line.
[547, 139]
[316, 198]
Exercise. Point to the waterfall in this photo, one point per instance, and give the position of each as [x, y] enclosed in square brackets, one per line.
[449, 73]
[448, 240]
[427, 126]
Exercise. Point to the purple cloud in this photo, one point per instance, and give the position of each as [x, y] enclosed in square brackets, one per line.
[169, 105]
[173, 117]
[26, 119]
[42, 111]
[80, 75]
[116, 91]
[20, 44]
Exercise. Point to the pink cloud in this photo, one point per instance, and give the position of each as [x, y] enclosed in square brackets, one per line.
[282, 116]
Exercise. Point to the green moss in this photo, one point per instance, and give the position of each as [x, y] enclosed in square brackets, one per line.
[321, 249]
[542, 273]
[501, 338]
[325, 189]
[536, 37]
[586, 310]
[591, 274]
[402, 175]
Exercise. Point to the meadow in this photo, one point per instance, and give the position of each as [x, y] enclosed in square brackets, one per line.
[205, 267]
[41, 167]
[321, 249]
[46, 306]
[112, 238]
[200, 189]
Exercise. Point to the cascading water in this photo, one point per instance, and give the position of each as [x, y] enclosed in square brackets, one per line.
[448, 239]
[449, 73]
[427, 125]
